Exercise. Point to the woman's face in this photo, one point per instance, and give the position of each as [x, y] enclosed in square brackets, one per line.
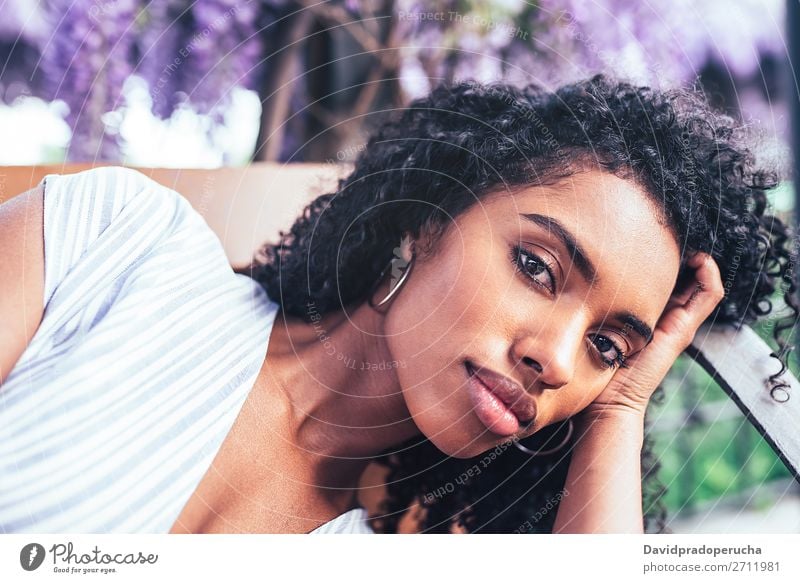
[543, 306]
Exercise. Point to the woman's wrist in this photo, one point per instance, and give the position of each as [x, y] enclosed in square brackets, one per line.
[604, 477]
[612, 412]
[612, 420]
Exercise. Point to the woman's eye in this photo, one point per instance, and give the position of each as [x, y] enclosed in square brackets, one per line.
[534, 267]
[610, 353]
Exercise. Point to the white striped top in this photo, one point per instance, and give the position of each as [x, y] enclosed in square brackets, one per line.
[148, 346]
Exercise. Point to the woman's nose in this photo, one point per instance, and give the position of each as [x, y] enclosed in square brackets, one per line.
[551, 354]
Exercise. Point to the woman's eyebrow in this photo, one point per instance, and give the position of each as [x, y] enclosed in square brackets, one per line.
[587, 269]
[635, 324]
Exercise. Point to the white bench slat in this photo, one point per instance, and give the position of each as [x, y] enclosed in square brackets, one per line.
[740, 361]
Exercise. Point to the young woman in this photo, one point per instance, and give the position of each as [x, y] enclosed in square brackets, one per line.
[485, 305]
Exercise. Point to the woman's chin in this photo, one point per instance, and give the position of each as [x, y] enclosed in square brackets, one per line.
[450, 422]
[466, 445]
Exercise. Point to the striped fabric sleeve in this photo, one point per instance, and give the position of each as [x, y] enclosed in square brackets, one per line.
[109, 207]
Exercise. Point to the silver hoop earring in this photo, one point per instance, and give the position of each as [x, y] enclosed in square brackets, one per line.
[397, 286]
[551, 450]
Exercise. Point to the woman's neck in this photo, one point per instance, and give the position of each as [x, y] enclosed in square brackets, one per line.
[336, 385]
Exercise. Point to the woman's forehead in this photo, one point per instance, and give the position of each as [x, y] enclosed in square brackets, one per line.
[592, 203]
[608, 226]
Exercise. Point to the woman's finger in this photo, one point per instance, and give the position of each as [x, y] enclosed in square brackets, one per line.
[709, 289]
[680, 321]
[687, 281]
[683, 288]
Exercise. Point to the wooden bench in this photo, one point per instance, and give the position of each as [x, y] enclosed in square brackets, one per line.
[248, 206]
[740, 362]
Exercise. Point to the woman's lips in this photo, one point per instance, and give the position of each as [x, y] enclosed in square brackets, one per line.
[500, 403]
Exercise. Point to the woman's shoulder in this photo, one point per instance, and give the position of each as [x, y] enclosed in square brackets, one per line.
[126, 254]
[108, 219]
[110, 188]
[148, 347]
[90, 201]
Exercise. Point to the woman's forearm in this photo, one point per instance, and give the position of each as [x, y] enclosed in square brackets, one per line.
[604, 480]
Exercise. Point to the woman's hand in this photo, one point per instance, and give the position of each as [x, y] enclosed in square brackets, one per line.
[604, 477]
[690, 304]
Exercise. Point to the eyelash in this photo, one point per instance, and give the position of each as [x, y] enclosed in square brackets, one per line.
[517, 256]
[620, 360]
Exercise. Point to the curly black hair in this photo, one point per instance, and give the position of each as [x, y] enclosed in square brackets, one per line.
[432, 160]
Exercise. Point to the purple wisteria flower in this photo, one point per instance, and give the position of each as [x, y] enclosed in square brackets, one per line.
[220, 52]
[193, 53]
[85, 61]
